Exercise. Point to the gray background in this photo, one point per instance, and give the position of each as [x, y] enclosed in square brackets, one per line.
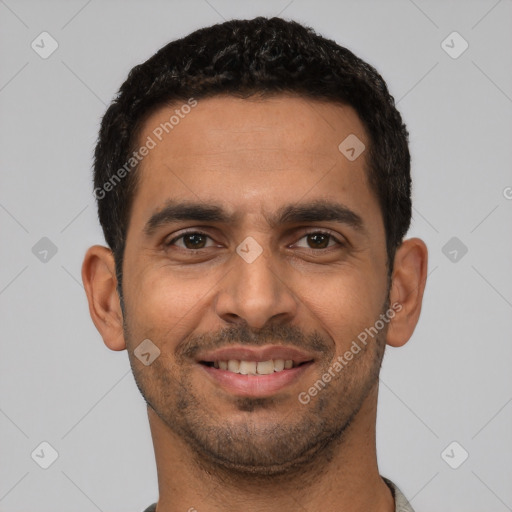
[60, 384]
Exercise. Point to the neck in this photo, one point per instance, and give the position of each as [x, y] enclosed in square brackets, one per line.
[342, 477]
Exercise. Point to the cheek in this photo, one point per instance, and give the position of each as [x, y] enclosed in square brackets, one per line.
[164, 304]
[347, 303]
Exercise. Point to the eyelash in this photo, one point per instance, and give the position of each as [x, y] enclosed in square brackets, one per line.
[315, 232]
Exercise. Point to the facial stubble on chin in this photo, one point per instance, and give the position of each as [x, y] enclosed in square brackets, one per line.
[261, 440]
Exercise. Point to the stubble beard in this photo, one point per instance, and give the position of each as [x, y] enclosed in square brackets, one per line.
[261, 442]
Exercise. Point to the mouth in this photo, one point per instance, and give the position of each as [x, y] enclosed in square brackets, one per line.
[254, 367]
[255, 371]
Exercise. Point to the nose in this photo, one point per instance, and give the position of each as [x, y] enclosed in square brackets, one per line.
[255, 293]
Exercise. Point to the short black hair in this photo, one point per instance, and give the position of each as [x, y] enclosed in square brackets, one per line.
[245, 58]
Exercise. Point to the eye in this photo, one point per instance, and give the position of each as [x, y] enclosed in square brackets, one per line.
[320, 240]
[197, 240]
[191, 240]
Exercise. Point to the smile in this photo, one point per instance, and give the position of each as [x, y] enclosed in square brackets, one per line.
[255, 371]
[254, 367]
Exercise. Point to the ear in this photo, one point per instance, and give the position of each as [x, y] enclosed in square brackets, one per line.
[407, 287]
[100, 282]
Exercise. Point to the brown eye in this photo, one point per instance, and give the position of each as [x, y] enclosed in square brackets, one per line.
[319, 240]
[191, 240]
[194, 241]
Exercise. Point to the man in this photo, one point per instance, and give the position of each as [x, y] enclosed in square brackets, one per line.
[253, 185]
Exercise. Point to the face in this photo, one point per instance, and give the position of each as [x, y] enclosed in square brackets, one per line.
[255, 257]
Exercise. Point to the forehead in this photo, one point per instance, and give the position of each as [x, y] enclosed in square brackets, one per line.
[286, 123]
[251, 154]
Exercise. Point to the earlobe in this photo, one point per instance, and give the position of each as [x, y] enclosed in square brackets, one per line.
[407, 287]
[99, 278]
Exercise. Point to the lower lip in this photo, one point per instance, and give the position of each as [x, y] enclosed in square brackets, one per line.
[255, 385]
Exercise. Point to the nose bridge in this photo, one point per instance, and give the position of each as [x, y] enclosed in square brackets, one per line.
[254, 291]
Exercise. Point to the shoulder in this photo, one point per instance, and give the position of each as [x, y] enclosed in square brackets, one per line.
[401, 503]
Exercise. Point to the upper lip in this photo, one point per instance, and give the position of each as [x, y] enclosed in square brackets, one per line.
[256, 354]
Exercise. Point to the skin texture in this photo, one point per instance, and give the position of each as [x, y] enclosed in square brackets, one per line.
[215, 449]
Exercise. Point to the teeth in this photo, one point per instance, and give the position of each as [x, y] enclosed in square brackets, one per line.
[247, 367]
[278, 365]
[254, 368]
[233, 365]
[265, 367]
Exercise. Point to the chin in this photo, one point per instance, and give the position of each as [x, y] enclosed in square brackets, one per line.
[262, 448]
[254, 463]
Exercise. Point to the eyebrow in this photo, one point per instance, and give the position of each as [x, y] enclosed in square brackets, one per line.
[313, 211]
